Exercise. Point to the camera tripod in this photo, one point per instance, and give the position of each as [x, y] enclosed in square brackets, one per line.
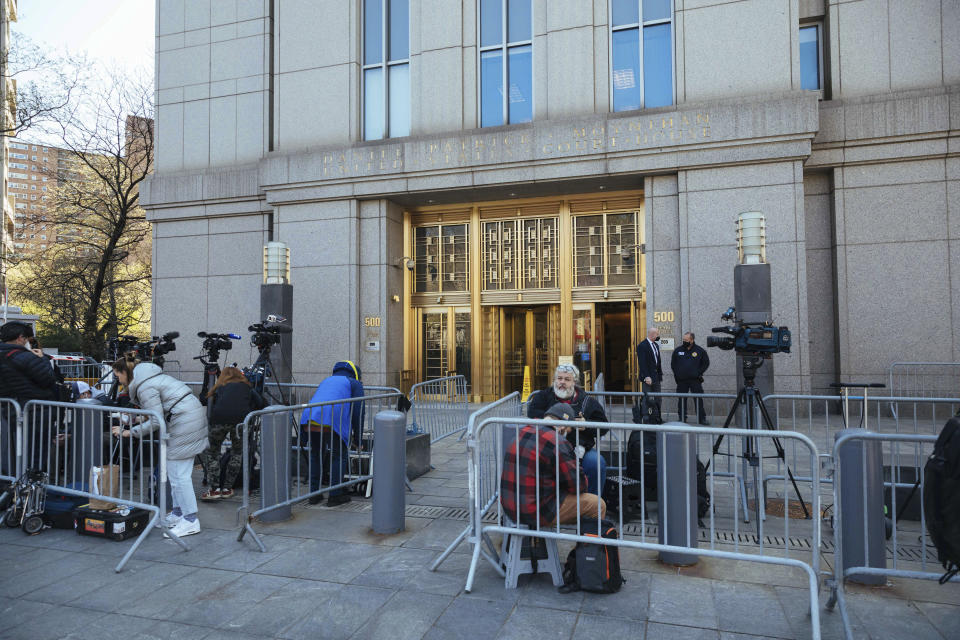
[259, 371]
[750, 396]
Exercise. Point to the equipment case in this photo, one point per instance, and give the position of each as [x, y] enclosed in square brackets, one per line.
[110, 524]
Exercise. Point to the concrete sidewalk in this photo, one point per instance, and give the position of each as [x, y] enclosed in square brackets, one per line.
[326, 575]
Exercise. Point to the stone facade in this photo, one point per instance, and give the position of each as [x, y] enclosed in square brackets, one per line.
[259, 136]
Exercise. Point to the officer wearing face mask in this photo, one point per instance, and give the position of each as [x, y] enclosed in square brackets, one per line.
[689, 362]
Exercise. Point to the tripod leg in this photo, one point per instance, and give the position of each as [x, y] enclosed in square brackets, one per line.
[768, 423]
[906, 502]
[726, 423]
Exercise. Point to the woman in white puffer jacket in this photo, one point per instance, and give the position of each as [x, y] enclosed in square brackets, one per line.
[153, 390]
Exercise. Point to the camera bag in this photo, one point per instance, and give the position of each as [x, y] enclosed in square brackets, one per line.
[941, 497]
[593, 567]
[112, 525]
[59, 507]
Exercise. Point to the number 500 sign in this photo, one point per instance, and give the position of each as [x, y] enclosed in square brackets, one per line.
[663, 316]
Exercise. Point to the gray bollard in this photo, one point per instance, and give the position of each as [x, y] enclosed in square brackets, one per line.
[389, 472]
[275, 430]
[861, 475]
[677, 496]
[87, 441]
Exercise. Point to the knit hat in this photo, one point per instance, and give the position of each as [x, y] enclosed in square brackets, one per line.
[561, 411]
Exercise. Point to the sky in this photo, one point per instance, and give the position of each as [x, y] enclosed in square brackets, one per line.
[113, 31]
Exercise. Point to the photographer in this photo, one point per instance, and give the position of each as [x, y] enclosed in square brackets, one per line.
[25, 374]
[186, 422]
[228, 404]
[689, 362]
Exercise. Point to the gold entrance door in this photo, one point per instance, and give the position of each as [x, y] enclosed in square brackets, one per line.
[529, 337]
[443, 339]
[604, 341]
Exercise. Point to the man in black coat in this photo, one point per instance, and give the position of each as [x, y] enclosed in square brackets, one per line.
[25, 374]
[649, 365]
[689, 362]
[566, 390]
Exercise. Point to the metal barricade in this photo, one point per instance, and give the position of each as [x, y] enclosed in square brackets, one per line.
[775, 539]
[11, 439]
[73, 444]
[924, 379]
[483, 481]
[440, 407]
[309, 455]
[618, 405]
[904, 560]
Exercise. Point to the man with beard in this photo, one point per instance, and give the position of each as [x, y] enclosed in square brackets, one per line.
[565, 390]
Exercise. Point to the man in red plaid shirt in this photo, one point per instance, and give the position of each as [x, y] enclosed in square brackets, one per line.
[541, 476]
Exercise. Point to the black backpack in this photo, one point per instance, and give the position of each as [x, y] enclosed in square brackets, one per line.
[231, 403]
[941, 498]
[593, 567]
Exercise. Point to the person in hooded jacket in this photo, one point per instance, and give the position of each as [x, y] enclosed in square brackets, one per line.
[186, 422]
[228, 403]
[330, 429]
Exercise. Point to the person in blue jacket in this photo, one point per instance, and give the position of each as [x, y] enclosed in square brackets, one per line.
[330, 429]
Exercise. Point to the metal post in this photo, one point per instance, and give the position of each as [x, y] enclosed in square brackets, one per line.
[275, 465]
[86, 444]
[677, 495]
[389, 474]
[861, 501]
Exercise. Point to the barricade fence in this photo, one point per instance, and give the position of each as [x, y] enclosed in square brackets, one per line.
[10, 439]
[75, 446]
[679, 407]
[879, 546]
[924, 379]
[542, 483]
[307, 450]
[483, 481]
[440, 407]
[295, 393]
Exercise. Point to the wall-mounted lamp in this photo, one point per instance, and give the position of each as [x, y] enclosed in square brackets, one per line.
[407, 262]
[276, 263]
[396, 298]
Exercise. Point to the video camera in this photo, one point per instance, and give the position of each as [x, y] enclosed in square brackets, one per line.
[213, 344]
[154, 349]
[119, 345]
[267, 332]
[754, 338]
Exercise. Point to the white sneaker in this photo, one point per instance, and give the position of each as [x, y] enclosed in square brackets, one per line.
[184, 528]
[171, 519]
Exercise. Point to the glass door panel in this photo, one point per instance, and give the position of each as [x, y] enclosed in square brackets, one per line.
[583, 346]
[461, 345]
[434, 345]
[492, 367]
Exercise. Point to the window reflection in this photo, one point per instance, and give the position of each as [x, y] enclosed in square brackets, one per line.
[641, 78]
[810, 57]
[386, 83]
[520, 75]
[491, 88]
[510, 57]
[626, 70]
[657, 66]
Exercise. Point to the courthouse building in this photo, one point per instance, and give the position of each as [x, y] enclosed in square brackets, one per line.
[482, 186]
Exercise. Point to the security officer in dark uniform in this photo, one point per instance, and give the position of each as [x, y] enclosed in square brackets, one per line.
[689, 362]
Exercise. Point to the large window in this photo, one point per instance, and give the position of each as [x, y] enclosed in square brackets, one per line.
[441, 258]
[811, 58]
[386, 69]
[606, 249]
[506, 60]
[641, 45]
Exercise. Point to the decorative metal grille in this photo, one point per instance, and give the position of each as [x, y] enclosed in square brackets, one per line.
[520, 254]
[442, 258]
[606, 249]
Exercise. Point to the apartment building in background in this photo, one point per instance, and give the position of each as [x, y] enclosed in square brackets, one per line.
[482, 186]
[32, 177]
[8, 111]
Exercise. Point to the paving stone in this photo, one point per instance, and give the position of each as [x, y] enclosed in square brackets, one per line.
[535, 623]
[593, 627]
[795, 606]
[324, 560]
[100, 574]
[438, 534]
[24, 580]
[542, 593]
[660, 631]
[395, 569]
[750, 608]
[632, 601]
[945, 617]
[406, 616]
[339, 616]
[246, 556]
[283, 608]
[884, 618]
[448, 579]
[440, 501]
[39, 621]
[205, 548]
[220, 604]
[132, 585]
[114, 626]
[470, 619]
[170, 601]
[682, 600]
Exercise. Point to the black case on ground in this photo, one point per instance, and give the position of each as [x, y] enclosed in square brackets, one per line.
[110, 524]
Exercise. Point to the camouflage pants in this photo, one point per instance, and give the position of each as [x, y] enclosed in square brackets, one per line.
[211, 457]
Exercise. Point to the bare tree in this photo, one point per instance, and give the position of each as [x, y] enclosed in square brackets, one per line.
[95, 278]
